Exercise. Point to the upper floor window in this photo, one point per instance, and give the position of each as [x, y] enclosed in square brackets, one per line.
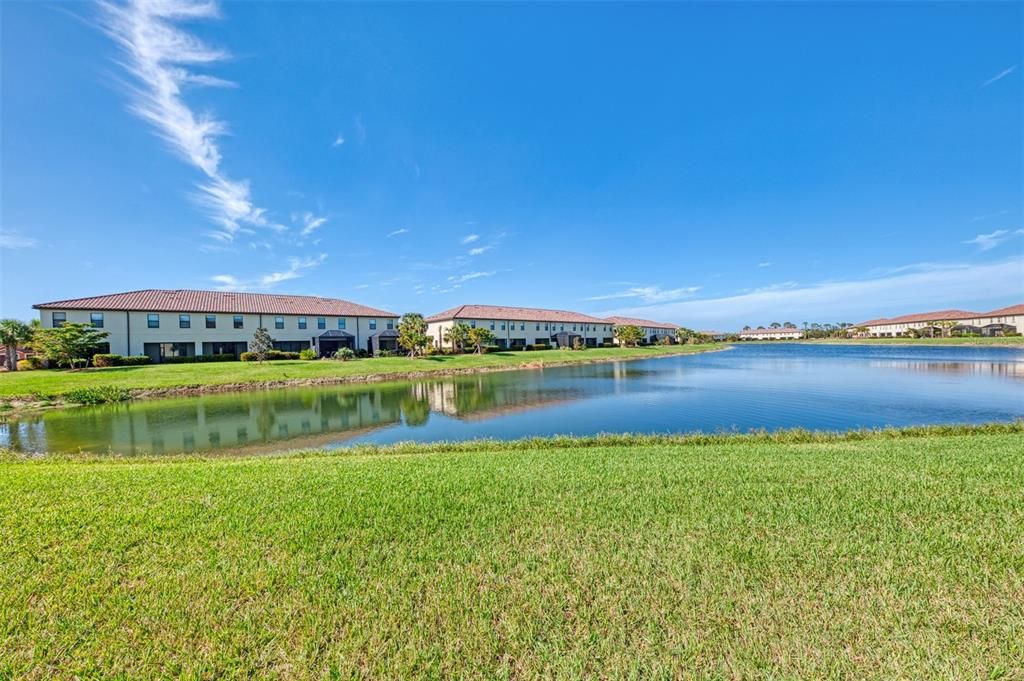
[503, 326]
[538, 326]
[302, 322]
[211, 321]
[522, 327]
[321, 323]
[561, 327]
[342, 322]
[492, 325]
[391, 323]
[96, 319]
[373, 325]
[153, 320]
[184, 321]
[59, 318]
[278, 322]
[238, 322]
[472, 323]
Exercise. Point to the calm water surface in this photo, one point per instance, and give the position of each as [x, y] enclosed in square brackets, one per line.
[750, 386]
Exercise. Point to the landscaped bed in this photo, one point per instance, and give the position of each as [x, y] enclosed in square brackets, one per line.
[33, 388]
[893, 555]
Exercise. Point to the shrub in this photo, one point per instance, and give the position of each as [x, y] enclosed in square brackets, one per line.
[271, 356]
[98, 395]
[361, 353]
[541, 346]
[578, 344]
[607, 345]
[134, 360]
[106, 360]
[28, 365]
[199, 359]
[387, 353]
[344, 354]
[307, 354]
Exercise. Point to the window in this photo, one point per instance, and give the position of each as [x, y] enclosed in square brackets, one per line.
[278, 322]
[59, 318]
[153, 320]
[538, 326]
[96, 319]
[184, 321]
[546, 327]
[573, 327]
[302, 322]
[373, 325]
[211, 321]
[238, 321]
[492, 325]
[321, 323]
[522, 327]
[472, 323]
[342, 323]
[503, 326]
[391, 324]
[562, 327]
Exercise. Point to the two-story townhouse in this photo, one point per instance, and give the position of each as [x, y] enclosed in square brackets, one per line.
[517, 327]
[653, 331]
[183, 323]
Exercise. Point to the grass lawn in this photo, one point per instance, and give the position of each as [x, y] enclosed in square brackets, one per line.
[1008, 341]
[163, 376]
[886, 556]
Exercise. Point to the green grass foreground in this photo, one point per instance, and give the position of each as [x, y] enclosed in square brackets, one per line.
[889, 555]
[25, 384]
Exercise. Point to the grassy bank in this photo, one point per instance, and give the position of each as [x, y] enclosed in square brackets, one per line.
[30, 385]
[795, 555]
[1006, 341]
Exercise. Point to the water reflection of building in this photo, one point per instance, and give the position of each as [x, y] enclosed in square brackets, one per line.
[1001, 369]
[489, 396]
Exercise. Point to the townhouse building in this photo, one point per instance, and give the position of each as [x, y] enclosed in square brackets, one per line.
[517, 327]
[183, 323]
[653, 331]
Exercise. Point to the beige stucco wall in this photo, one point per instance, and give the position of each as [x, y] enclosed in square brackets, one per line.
[884, 330]
[532, 335]
[122, 325]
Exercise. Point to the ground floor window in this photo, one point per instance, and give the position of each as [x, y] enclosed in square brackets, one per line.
[158, 352]
[235, 348]
[291, 346]
[517, 342]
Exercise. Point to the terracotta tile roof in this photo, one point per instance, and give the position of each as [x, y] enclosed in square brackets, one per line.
[519, 314]
[1003, 311]
[636, 321]
[923, 317]
[184, 300]
[760, 331]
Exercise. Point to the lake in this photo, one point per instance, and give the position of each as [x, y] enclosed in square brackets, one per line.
[771, 386]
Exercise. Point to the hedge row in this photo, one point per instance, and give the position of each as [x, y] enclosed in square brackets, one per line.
[272, 355]
[198, 359]
[108, 360]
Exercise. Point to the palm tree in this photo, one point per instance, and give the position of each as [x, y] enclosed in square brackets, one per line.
[14, 332]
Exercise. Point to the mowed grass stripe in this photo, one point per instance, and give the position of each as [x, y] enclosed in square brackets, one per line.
[880, 557]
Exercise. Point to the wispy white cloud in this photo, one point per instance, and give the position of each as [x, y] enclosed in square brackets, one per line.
[310, 223]
[986, 242]
[650, 294]
[767, 263]
[914, 289]
[12, 240]
[463, 278]
[398, 232]
[469, 238]
[999, 76]
[979, 218]
[338, 141]
[360, 129]
[480, 250]
[296, 268]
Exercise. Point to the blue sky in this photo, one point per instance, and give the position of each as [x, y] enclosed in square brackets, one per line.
[712, 165]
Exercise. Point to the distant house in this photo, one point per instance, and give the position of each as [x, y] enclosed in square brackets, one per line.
[517, 327]
[762, 333]
[653, 331]
[184, 323]
[1006, 320]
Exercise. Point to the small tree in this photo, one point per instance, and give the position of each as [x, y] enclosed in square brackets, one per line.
[262, 344]
[629, 334]
[68, 345]
[458, 335]
[412, 333]
[14, 333]
[775, 325]
[683, 335]
[480, 337]
[578, 343]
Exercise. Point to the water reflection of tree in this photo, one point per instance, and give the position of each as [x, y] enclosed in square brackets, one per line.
[415, 410]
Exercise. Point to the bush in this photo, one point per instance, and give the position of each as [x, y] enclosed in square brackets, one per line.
[105, 360]
[308, 354]
[30, 364]
[492, 348]
[361, 353]
[344, 354]
[134, 360]
[98, 395]
[271, 356]
[387, 353]
[541, 346]
[608, 345]
[200, 359]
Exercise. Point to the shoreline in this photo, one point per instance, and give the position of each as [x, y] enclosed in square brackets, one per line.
[783, 436]
[19, 407]
[936, 342]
